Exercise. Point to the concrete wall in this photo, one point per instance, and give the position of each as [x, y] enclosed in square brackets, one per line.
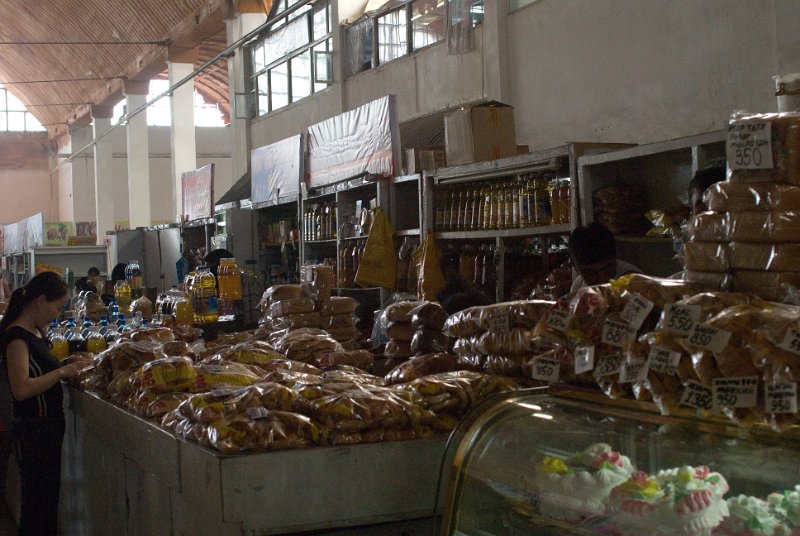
[24, 177]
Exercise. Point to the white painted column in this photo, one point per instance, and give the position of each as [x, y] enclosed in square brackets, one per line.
[182, 138]
[103, 173]
[138, 156]
[495, 51]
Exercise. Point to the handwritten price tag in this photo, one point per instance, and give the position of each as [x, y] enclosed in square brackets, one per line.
[608, 365]
[618, 333]
[633, 372]
[781, 398]
[664, 361]
[749, 146]
[257, 413]
[499, 322]
[636, 310]
[584, 359]
[546, 369]
[697, 396]
[791, 342]
[680, 319]
[736, 392]
[559, 320]
[709, 338]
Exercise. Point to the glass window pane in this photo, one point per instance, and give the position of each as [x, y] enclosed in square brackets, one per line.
[14, 103]
[3, 93]
[286, 40]
[301, 76]
[262, 89]
[477, 12]
[392, 36]
[323, 67]
[279, 85]
[3, 122]
[320, 20]
[301, 11]
[258, 57]
[16, 121]
[427, 23]
[32, 124]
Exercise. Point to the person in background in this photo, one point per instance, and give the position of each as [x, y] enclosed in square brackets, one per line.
[214, 257]
[701, 182]
[37, 427]
[90, 282]
[117, 274]
[593, 252]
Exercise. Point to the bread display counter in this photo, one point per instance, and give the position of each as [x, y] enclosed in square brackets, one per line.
[532, 463]
[126, 475]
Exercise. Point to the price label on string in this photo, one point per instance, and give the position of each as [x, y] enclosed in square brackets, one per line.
[499, 322]
[584, 359]
[791, 342]
[546, 369]
[736, 392]
[709, 338]
[257, 413]
[680, 319]
[749, 145]
[696, 395]
[636, 310]
[608, 365]
[781, 398]
[663, 360]
[619, 334]
[559, 320]
[633, 372]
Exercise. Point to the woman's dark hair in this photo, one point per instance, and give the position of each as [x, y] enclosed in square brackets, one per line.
[94, 271]
[591, 243]
[118, 273]
[47, 284]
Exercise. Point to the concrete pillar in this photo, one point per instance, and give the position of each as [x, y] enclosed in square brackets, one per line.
[495, 51]
[103, 173]
[138, 155]
[182, 138]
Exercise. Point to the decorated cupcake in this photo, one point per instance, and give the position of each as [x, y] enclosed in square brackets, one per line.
[578, 487]
[686, 501]
[751, 516]
[786, 507]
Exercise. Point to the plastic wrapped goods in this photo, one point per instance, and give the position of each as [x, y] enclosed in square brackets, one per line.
[338, 305]
[496, 318]
[768, 257]
[765, 227]
[429, 314]
[344, 334]
[399, 311]
[419, 366]
[278, 293]
[398, 349]
[774, 286]
[516, 341]
[757, 197]
[400, 331]
[263, 430]
[427, 340]
[363, 359]
[168, 374]
[708, 227]
[783, 148]
[317, 281]
[303, 344]
[344, 320]
[710, 280]
[290, 307]
[706, 256]
[296, 321]
[456, 392]
[228, 375]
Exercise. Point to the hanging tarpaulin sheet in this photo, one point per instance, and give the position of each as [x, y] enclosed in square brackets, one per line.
[24, 234]
[276, 170]
[359, 141]
[34, 231]
[197, 189]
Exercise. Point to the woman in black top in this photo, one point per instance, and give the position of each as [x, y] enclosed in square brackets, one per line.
[37, 427]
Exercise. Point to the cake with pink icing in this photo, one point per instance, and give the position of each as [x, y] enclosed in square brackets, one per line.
[751, 516]
[685, 501]
[578, 487]
[786, 507]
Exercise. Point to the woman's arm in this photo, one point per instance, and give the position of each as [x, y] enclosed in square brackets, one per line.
[22, 385]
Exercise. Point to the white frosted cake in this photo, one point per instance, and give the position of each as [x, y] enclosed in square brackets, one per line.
[751, 516]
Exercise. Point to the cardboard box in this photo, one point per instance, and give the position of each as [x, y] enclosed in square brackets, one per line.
[419, 159]
[480, 132]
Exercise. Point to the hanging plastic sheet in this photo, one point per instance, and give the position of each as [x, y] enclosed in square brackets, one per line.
[277, 170]
[459, 27]
[360, 141]
[359, 46]
[197, 192]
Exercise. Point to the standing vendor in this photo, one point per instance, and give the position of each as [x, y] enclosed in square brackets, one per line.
[213, 259]
[593, 251]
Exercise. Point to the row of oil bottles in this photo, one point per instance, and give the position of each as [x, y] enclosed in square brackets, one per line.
[528, 201]
[319, 222]
[197, 303]
[67, 338]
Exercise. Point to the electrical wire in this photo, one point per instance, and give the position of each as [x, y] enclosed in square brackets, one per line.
[59, 80]
[165, 43]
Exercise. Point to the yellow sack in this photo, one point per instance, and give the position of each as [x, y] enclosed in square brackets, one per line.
[378, 266]
[429, 269]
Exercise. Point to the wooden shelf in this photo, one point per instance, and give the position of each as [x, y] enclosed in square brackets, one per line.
[563, 228]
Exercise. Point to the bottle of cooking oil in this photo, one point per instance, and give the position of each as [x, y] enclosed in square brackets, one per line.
[230, 280]
[184, 315]
[122, 295]
[95, 342]
[469, 197]
[204, 296]
[60, 346]
[133, 273]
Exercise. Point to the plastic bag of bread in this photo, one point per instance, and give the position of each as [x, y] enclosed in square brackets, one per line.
[768, 257]
[427, 340]
[290, 365]
[458, 391]
[362, 359]
[578, 319]
[344, 334]
[507, 365]
[497, 318]
[399, 312]
[709, 304]
[228, 374]
[123, 384]
[344, 320]
[743, 197]
[125, 355]
[514, 342]
[281, 308]
[354, 375]
[710, 280]
[168, 374]
[144, 306]
[278, 293]
[178, 348]
[247, 353]
[669, 368]
[400, 349]
[317, 281]
[471, 362]
[784, 141]
[155, 334]
[360, 409]
[764, 227]
[263, 430]
[400, 331]
[302, 344]
[421, 365]
[658, 290]
[706, 256]
[430, 315]
[291, 322]
[163, 404]
[775, 286]
[93, 306]
[708, 227]
[338, 305]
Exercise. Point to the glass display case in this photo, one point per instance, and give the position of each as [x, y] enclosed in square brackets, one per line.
[531, 463]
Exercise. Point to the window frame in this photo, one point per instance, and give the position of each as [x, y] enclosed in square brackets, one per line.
[29, 122]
